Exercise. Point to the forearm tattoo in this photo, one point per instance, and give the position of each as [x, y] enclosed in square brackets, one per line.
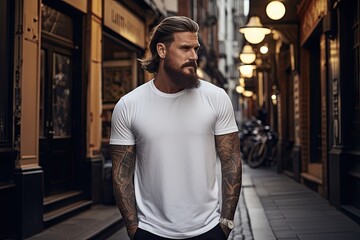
[228, 149]
[123, 166]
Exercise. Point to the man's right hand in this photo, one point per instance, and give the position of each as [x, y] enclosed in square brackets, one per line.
[132, 232]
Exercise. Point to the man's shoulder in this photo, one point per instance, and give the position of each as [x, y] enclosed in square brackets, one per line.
[210, 88]
[136, 93]
[134, 97]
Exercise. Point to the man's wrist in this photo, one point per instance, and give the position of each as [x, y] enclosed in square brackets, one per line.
[228, 223]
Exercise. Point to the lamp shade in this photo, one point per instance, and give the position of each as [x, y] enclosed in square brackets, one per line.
[246, 70]
[247, 55]
[274, 99]
[248, 93]
[264, 49]
[254, 31]
[275, 10]
[240, 89]
[242, 82]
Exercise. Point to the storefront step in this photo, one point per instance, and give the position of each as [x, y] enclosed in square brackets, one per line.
[64, 212]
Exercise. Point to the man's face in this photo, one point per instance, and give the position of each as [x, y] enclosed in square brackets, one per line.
[180, 60]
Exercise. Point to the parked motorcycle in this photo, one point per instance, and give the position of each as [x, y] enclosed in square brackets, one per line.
[247, 132]
[263, 149]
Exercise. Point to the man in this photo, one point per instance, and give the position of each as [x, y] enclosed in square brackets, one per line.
[165, 138]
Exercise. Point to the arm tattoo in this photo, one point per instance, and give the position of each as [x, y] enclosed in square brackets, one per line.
[123, 167]
[228, 149]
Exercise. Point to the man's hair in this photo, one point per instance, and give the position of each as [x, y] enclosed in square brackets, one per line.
[164, 33]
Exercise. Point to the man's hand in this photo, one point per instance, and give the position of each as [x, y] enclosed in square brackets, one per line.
[226, 230]
[131, 232]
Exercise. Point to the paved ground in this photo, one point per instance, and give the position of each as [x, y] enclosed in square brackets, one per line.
[86, 225]
[272, 206]
[280, 208]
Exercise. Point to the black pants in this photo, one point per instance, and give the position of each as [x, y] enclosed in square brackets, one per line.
[214, 234]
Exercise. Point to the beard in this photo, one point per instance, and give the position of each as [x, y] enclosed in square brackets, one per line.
[179, 77]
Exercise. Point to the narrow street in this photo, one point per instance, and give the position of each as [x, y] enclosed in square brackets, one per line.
[272, 206]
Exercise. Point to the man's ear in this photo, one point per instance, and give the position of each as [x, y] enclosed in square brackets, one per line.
[161, 50]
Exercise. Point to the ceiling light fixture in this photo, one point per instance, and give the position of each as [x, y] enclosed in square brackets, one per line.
[275, 10]
[248, 93]
[264, 48]
[247, 70]
[254, 31]
[247, 55]
[242, 82]
[240, 89]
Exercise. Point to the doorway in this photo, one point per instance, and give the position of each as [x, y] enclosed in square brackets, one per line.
[56, 135]
[60, 102]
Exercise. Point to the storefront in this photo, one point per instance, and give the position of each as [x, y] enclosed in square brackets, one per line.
[61, 95]
[123, 42]
[42, 119]
[344, 101]
[313, 96]
[62, 109]
[55, 57]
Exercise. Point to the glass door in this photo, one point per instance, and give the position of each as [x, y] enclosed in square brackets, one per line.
[56, 140]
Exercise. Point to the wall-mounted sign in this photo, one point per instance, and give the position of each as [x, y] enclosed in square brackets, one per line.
[123, 22]
[315, 11]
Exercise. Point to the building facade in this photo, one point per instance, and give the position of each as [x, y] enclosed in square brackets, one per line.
[315, 71]
[206, 14]
[343, 68]
[328, 90]
[65, 64]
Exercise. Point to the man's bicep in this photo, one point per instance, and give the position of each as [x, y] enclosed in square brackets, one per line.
[123, 158]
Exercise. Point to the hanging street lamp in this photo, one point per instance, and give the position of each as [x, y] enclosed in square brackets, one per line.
[264, 48]
[247, 70]
[275, 10]
[247, 55]
[254, 31]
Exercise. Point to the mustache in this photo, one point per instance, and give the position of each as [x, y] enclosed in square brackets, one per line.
[190, 64]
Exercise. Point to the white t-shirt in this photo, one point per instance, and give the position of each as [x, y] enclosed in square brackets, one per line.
[176, 189]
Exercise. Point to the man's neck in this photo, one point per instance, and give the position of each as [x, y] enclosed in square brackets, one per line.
[163, 83]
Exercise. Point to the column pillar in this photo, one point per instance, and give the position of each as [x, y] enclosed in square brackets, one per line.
[94, 158]
[28, 174]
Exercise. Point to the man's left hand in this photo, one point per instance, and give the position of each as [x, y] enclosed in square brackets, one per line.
[225, 229]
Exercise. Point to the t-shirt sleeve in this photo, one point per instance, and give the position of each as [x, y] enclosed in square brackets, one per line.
[225, 122]
[121, 133]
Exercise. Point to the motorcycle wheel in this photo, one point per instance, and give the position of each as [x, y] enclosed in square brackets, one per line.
[257, 155]
[246, 148]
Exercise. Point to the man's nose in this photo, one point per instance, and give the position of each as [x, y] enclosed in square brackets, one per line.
[194, 55]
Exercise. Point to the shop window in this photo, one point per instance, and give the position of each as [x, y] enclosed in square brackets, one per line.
[117, 81]
[120, 76]
[6, 73]
[56, 23]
